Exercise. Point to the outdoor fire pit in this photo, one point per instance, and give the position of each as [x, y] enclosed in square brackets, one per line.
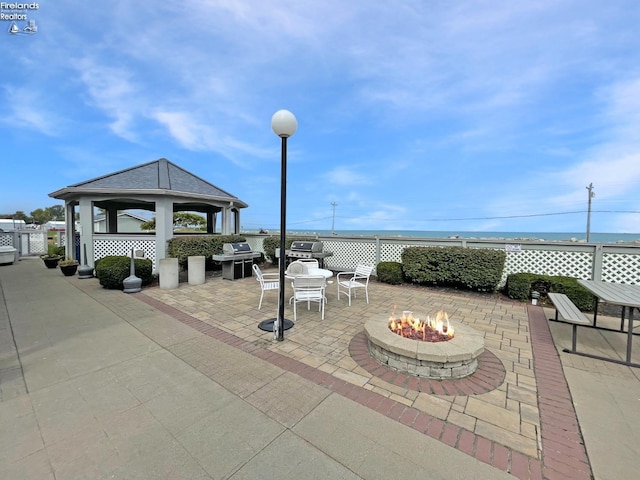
[436, 349]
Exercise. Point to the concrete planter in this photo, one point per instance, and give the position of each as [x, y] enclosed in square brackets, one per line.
[68, 270]
[169, 278]
[196, 269]
[51, 262]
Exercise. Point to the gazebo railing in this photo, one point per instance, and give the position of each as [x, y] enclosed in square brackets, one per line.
[107, 244]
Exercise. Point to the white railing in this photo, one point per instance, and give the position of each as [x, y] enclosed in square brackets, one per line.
[26, 241]
[114, 244]
[619, 263]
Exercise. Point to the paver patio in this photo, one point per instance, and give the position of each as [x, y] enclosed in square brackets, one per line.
[500, 425]
[516, 414]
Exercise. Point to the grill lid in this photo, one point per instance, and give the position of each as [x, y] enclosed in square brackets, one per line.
[306, 246]
[236, 248]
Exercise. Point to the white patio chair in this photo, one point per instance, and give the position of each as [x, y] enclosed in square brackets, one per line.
[309, 262]
[268, 281]
[308, 288]
[348, 281]
[296, 268]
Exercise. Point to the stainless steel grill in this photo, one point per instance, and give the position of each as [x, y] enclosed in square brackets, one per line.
[237, 260]
[308, 250]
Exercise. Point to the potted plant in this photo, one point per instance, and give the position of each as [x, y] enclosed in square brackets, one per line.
[68, 266]
[51, 258]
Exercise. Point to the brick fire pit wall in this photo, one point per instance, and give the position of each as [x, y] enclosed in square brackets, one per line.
[456, 358]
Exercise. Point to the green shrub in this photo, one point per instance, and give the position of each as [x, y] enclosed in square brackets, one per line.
[520, 285]
[55, 251]
[580, 296]
[459, 267]
[390, 272]
[182, 247]
[270, 244]
[111, 271]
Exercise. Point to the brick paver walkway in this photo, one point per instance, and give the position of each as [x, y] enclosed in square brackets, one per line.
[515, 415]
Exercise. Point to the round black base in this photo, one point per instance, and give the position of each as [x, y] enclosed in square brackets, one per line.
[267, 325]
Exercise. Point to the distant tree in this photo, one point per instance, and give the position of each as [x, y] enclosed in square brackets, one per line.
[44, 215]
[150, 225]
[40, 216]
[188, 220]
[56, 212]
[20, 215]
[180, 220]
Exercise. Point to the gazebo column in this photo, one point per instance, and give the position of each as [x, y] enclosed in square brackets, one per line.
[164, 227]
[226, 221]
[70, 230]
[86, 229]
[211, 222]
[111, 220]
[236, 221]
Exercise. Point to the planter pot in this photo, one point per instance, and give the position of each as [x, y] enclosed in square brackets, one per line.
[68, 270]
[51, 262]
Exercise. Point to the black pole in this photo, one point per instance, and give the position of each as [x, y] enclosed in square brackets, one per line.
[283, 234]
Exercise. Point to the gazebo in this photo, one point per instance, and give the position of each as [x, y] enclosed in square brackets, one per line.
[159, 186]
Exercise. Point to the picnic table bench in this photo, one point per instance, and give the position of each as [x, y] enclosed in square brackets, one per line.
[566, 309]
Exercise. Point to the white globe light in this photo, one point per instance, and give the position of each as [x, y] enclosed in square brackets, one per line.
[284, 123]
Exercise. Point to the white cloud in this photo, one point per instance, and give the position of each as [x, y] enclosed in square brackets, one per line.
[112, 90]
[346, 176]
[28, 109]
[182, 128]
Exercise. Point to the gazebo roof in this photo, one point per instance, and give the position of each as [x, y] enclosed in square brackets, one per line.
[160, 177]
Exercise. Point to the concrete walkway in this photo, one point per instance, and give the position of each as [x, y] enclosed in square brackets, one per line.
[181, 384]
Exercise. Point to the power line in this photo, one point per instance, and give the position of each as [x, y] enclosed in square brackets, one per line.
[532, 215]
[509, 216]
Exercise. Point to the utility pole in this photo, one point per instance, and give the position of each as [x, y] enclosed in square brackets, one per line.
[333, 218]
[591, 195]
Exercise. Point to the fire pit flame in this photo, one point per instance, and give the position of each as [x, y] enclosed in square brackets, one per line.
[429, 330]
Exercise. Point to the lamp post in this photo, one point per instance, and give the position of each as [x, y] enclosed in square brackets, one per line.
[284, 125]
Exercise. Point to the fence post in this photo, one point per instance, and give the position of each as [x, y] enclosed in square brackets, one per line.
[596, 273]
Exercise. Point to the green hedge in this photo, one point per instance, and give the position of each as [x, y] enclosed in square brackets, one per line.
[390, 272]
[111, 271]
[520, 285]
[458, 267]
[270, 244]
[56, 251]
[182, 247]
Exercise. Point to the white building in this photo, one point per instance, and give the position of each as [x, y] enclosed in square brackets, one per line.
[127, 223]
[8, 224]
[54, 225]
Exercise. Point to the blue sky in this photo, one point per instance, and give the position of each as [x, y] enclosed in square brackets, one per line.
[412, 115]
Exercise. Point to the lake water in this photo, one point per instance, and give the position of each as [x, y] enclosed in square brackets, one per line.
[550, 236]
